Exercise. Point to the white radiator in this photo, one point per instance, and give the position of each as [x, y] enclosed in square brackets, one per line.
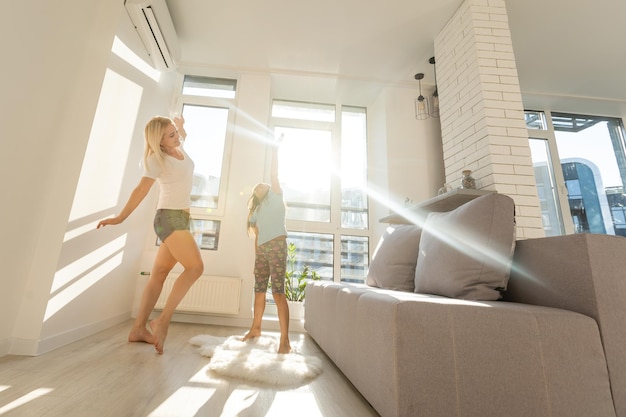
[209, 294]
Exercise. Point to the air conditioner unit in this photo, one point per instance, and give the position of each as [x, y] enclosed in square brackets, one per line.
[154, 24]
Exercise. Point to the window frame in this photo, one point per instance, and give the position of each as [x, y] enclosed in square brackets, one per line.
[333, 227]
[200, 213]
[548, 134]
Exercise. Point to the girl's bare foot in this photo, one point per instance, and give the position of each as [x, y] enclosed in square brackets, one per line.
[159, 331]
[251, 334]
[140, 334]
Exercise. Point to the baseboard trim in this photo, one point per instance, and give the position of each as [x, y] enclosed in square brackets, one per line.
[54, 342]
[5, 347]
[27, 347]
[269, 322]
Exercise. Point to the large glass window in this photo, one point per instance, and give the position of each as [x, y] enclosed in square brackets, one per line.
[323, 173]
[206, 137]
[586, 193]
[305, 172]
[354, 258]
[314, 250]
[206, 105]
[354, 213]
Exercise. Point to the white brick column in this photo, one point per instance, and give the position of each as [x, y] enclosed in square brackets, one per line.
[482, 115]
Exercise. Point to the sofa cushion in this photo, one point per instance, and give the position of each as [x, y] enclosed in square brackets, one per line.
[467, 253]
[393, 263]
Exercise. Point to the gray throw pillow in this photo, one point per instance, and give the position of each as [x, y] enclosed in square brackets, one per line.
[393, 262]
[467, 253]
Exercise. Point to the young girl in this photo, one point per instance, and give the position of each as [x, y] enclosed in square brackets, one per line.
[266, 222]
[166, 162]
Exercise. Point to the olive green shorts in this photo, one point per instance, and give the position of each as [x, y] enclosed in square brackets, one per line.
[166, 221]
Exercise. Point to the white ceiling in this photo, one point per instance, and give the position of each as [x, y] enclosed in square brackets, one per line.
[561, 48]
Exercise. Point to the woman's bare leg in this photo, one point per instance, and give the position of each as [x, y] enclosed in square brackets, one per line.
[184, 249]
[283, 320]
[257, 321]
[163, 264]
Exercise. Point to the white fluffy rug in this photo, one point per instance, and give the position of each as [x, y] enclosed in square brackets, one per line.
[256, 360]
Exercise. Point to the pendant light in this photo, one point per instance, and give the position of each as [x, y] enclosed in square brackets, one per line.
[421, 103]
[434, 102]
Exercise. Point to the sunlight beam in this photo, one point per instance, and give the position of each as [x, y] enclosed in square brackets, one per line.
[462, 241]
[203, 376]
[70, 293]
[79, 231]
[33, 395]
[239, 400]
[185, 402]
[283, 404]
[120, 49]
[105, 158]
[70, 272]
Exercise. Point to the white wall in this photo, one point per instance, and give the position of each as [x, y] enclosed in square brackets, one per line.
[414, 151]
[406, 156]
[106, 298]
[50, 88]
[50, 93]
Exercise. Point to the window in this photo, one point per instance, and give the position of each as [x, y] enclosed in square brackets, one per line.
[209, 87]
[314, 250]
[206, 105]
[354, 258]
[546, 187]
[323, 174]
[305, 172]
[206, 137]
[303, 111]
[205, 232]
[580, 170]
[353, 168]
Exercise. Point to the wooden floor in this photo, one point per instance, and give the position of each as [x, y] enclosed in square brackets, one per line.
[105, 376]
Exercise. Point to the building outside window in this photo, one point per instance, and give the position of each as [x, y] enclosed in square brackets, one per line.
[580, 171]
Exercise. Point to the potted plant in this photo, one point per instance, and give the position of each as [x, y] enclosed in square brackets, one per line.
[296, 281]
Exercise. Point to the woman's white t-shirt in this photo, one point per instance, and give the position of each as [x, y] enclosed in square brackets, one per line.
[175, 180]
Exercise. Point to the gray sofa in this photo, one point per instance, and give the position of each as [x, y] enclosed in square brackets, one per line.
[551, 343]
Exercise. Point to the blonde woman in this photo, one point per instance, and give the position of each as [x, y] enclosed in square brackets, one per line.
[166, 162]
[266, 222]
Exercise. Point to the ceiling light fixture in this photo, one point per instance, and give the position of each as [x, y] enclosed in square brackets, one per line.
[421, 103]
[434, 101]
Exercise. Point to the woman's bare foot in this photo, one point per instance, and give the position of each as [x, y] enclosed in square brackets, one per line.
[284, 347]
[251, 334]
[140, 334]
[159, 331]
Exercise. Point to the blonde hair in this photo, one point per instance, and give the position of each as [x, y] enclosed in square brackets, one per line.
[153, 133]
[253, 203]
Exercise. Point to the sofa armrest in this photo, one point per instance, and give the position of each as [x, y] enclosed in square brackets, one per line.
[582, 273]
[585, 273]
